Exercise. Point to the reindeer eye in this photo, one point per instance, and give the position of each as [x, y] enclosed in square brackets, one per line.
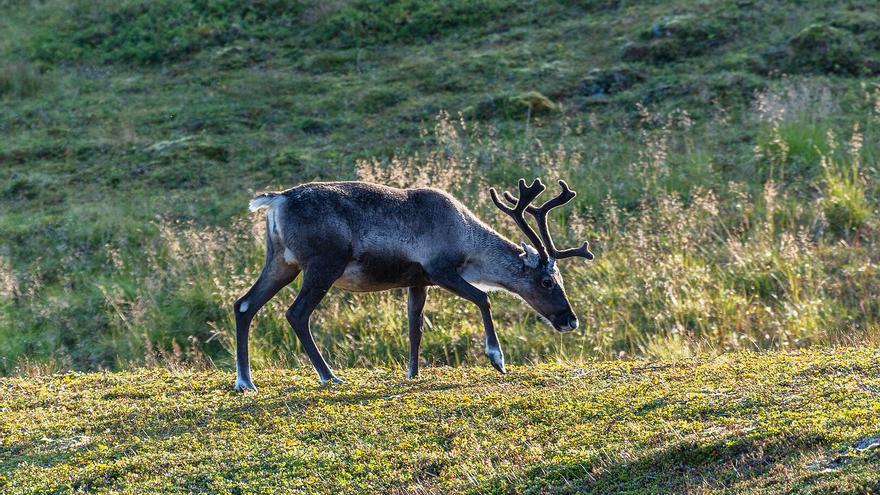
[547, 282]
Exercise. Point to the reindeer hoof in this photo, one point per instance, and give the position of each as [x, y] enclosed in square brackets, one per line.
[332, 380]
[497, 359]
[244, 386]
[500, 368]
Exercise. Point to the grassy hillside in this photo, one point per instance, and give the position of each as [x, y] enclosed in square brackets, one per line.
[802, 422]
[725, 155]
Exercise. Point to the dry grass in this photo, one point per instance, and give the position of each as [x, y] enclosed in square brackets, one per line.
[677, 275]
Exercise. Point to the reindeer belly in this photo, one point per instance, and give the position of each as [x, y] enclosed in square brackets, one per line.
[369, 273]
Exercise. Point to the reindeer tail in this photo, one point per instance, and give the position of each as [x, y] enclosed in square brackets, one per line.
[264, 200]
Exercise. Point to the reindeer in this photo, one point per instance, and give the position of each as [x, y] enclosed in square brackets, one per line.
[367, 237]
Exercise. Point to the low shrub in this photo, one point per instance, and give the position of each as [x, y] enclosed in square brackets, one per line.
[603, 82]
[676, 37]
[824, 49]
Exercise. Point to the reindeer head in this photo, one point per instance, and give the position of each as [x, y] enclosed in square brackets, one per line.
[540, 282]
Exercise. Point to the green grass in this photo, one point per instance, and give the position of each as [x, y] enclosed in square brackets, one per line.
[741, 423]
[725, 156]
[695, 133]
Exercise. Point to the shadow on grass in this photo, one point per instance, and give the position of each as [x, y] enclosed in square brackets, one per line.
[162, 427]
[283, 400]
[684, 467]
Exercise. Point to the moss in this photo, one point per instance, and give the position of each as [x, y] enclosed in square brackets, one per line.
[796, 422]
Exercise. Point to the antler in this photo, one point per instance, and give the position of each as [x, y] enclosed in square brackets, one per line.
[540, 214]
[526, 196]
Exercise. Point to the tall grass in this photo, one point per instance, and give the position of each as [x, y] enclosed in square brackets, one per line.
[844, 204]
[683, 270]
[687, 262]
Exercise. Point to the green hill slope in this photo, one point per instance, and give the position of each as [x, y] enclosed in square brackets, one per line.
[801, 422]
[724, 153]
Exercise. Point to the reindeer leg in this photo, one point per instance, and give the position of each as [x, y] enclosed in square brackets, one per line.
[275, 275]
[415, 306]
[453, 282]
[317, 280]
[493, 347]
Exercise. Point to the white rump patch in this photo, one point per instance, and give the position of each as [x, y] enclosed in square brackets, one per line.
[270, 201]
[244, 307]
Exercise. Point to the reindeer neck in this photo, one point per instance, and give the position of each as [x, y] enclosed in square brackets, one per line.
[495, 260]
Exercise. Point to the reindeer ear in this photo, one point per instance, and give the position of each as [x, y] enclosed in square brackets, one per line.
[530, 256]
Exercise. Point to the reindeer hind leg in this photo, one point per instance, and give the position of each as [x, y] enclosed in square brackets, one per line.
[276, 275]
[319, 275]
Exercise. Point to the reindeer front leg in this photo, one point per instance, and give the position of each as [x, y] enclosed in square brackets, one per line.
[453, 282]
[415, 308]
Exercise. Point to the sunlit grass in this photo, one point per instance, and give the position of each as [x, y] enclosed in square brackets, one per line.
[676, 275]
[742, 423]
